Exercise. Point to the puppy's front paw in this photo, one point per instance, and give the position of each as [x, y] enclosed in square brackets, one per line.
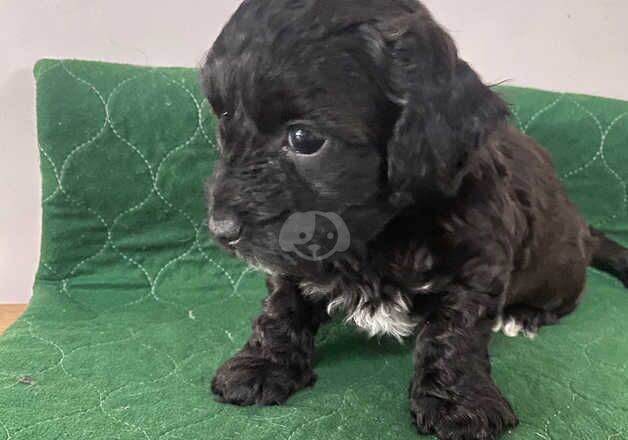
[249, 379]
[478, 416]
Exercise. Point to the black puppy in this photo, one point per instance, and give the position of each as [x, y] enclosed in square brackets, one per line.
[367, 169]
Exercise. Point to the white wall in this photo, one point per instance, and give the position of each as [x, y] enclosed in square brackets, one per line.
[571, 45]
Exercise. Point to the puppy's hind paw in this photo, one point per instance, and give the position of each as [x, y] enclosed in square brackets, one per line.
[512, 328]
[523, 320]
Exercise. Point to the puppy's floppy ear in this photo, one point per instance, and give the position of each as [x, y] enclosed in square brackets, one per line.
[446, 112]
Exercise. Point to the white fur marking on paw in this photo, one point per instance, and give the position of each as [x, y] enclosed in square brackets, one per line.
[499, 323]
[512, 328]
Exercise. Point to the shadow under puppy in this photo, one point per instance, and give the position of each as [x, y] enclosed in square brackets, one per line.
[453, 223]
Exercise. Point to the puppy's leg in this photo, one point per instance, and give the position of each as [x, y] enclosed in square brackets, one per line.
[452, 394]
[277, 359]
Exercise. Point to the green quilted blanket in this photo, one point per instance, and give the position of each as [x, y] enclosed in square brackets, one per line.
[134, 308]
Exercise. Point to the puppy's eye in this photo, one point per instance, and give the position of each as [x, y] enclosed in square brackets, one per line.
[303, 140]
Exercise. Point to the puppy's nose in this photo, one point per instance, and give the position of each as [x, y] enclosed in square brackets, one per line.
[225, 226]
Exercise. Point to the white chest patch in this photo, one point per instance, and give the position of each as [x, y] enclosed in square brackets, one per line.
[392, 317]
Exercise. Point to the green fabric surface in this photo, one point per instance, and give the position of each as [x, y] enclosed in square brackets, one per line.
[134, 308]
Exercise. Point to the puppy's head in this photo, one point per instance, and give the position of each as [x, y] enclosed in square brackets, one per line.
[346, 111]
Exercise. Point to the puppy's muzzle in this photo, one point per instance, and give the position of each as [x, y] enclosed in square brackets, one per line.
[226, 227]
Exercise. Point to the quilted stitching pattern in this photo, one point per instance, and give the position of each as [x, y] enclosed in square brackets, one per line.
[134, 308]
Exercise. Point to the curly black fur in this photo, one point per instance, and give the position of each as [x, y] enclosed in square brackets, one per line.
[457, 220]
